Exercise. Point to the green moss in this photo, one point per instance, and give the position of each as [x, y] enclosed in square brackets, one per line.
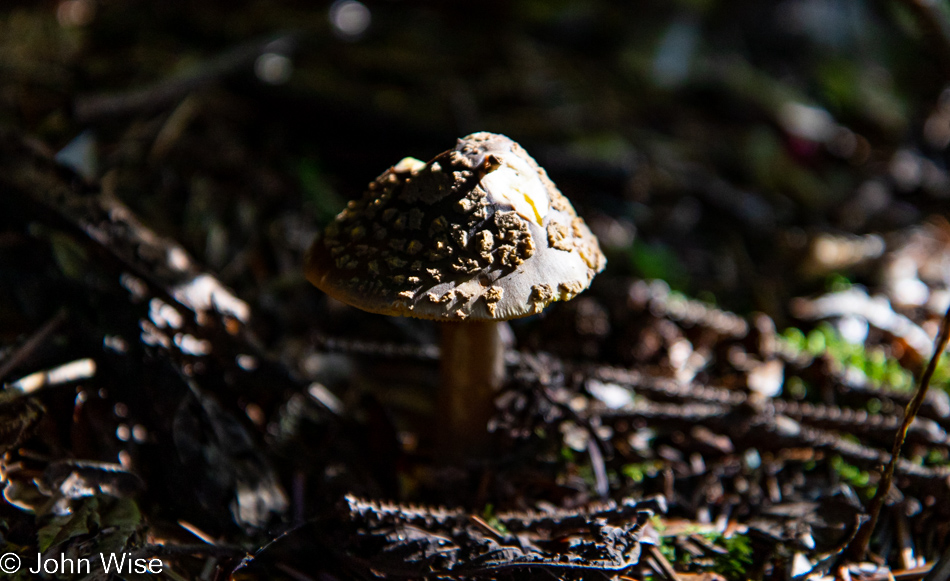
[667, 548]
[657, 261]
[875, 362]
[567, 455]
[938, 458]
[639, 471]
[796, 388]
[489, 516]
[733, 564]
[859, 479]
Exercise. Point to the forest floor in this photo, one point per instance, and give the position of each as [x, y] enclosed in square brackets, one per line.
[768, 182]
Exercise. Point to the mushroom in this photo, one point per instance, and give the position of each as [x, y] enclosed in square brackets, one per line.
[477, 236]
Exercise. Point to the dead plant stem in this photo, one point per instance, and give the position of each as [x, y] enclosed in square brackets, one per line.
[858, 547]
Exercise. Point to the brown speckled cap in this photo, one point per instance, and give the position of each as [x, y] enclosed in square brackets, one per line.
[480, 232]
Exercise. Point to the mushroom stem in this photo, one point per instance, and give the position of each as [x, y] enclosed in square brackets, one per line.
[473, 368]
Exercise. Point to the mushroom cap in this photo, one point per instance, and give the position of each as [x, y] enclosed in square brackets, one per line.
[480, 232]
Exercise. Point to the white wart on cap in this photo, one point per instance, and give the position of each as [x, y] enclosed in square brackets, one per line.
[480, 232]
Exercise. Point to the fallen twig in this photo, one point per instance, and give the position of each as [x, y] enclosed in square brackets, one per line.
[31, 344]
[859, 545]
[94, 107]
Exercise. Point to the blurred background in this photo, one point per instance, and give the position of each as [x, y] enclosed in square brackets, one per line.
[745, 153]
[741, 151]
